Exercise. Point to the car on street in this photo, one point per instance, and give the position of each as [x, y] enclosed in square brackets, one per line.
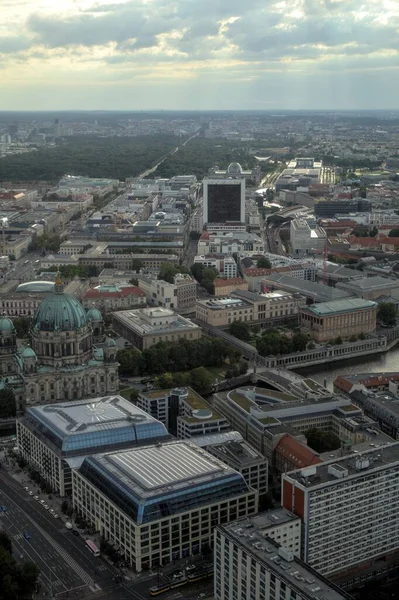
[52, 510]
[36, 498]
[42, 502]
[3, 508]
[46, 506]
[30, 493]
[55, 516]
[26, 489]
[27, 535]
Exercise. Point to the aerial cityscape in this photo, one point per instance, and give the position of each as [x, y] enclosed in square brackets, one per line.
[199, 300]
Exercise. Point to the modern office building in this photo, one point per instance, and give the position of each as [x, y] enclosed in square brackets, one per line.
[55, 437]
[305, 237]
[160, 503]
[339, 318]
[250, 565]
[264, 417]
[147, 326]
[224, 200]
[349, 512]
[184, 412]
[181, 294]
[240, 456]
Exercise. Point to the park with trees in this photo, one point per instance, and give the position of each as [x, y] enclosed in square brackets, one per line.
[18, 580]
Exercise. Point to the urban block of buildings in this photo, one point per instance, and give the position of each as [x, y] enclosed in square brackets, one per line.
[249, 307]
[110, 297]
[348, 509]
[56, 437]
[159, 503]
[250, 564]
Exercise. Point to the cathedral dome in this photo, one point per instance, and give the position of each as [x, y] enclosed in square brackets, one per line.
[6, 324]
[93, 314]
[60, 312]
[28, 352]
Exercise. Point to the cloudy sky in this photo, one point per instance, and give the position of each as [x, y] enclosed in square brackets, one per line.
[199, 54]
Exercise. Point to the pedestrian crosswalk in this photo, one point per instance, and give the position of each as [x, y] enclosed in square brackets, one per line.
[102, 568]
[18, 536]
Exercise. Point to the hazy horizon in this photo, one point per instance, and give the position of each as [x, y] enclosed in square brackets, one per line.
[152, 55]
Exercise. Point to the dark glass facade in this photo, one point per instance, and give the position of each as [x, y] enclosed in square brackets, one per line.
[224, 203]
[163, 504]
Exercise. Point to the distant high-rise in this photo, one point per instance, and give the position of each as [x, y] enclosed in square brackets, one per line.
[224, 200]
[57, 128]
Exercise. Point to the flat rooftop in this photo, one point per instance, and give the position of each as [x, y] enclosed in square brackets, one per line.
[94, 424]
[238, 453]
[357, 464]
[163, 470]
[339, 306]
[369, 284]
[136, 320]
[296, 574]
[310, 289]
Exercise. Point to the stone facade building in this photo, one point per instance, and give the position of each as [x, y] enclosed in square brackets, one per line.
[69, 357]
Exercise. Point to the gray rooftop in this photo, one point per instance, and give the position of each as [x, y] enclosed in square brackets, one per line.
[366, 284]
[164, 468]
[357, 464]
[296, 574]
[96, 424]
[238, 454]
[310, 289]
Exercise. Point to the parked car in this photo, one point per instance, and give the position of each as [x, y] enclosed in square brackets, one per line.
[55, 516]
[75, 532]
[30, 493]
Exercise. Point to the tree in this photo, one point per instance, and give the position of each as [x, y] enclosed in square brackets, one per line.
[393, 233]
[201, 380]
[240, 330]
[299, 342]
[264, 263]
[209, 273]
[5, 542]
[209, 286]
[136, 265]
[322, 441]
[7, 403]
[338, 340]
[22, 326]
[168, 271]
[387, 313]
[197, 271]
[16, 581]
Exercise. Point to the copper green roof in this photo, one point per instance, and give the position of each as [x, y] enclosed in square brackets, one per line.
[340, 306]
[60, 312]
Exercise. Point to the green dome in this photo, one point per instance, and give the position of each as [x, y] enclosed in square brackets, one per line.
[109, 343]
[28, 353]
[93, 314]
[6, 324]
[60, 312]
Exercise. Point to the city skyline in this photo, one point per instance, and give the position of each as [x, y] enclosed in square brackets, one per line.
[310, 54]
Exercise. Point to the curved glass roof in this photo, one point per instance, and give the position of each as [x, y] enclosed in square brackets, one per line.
[163, 479]
[36, 286]
[95, 425]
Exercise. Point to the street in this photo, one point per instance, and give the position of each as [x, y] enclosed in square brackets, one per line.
[67, 568]
[63, 559]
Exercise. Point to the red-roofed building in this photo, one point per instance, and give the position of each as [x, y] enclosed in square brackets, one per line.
[291, 454]
[114, 297]
[224, 287]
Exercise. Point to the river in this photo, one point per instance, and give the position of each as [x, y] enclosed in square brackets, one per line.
[381, 363]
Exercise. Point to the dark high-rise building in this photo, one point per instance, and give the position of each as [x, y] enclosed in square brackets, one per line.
[224, 200]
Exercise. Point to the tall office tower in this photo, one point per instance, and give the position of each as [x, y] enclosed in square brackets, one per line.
[224, 200]
[250, 565]
[57, 128]
[349, 511]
